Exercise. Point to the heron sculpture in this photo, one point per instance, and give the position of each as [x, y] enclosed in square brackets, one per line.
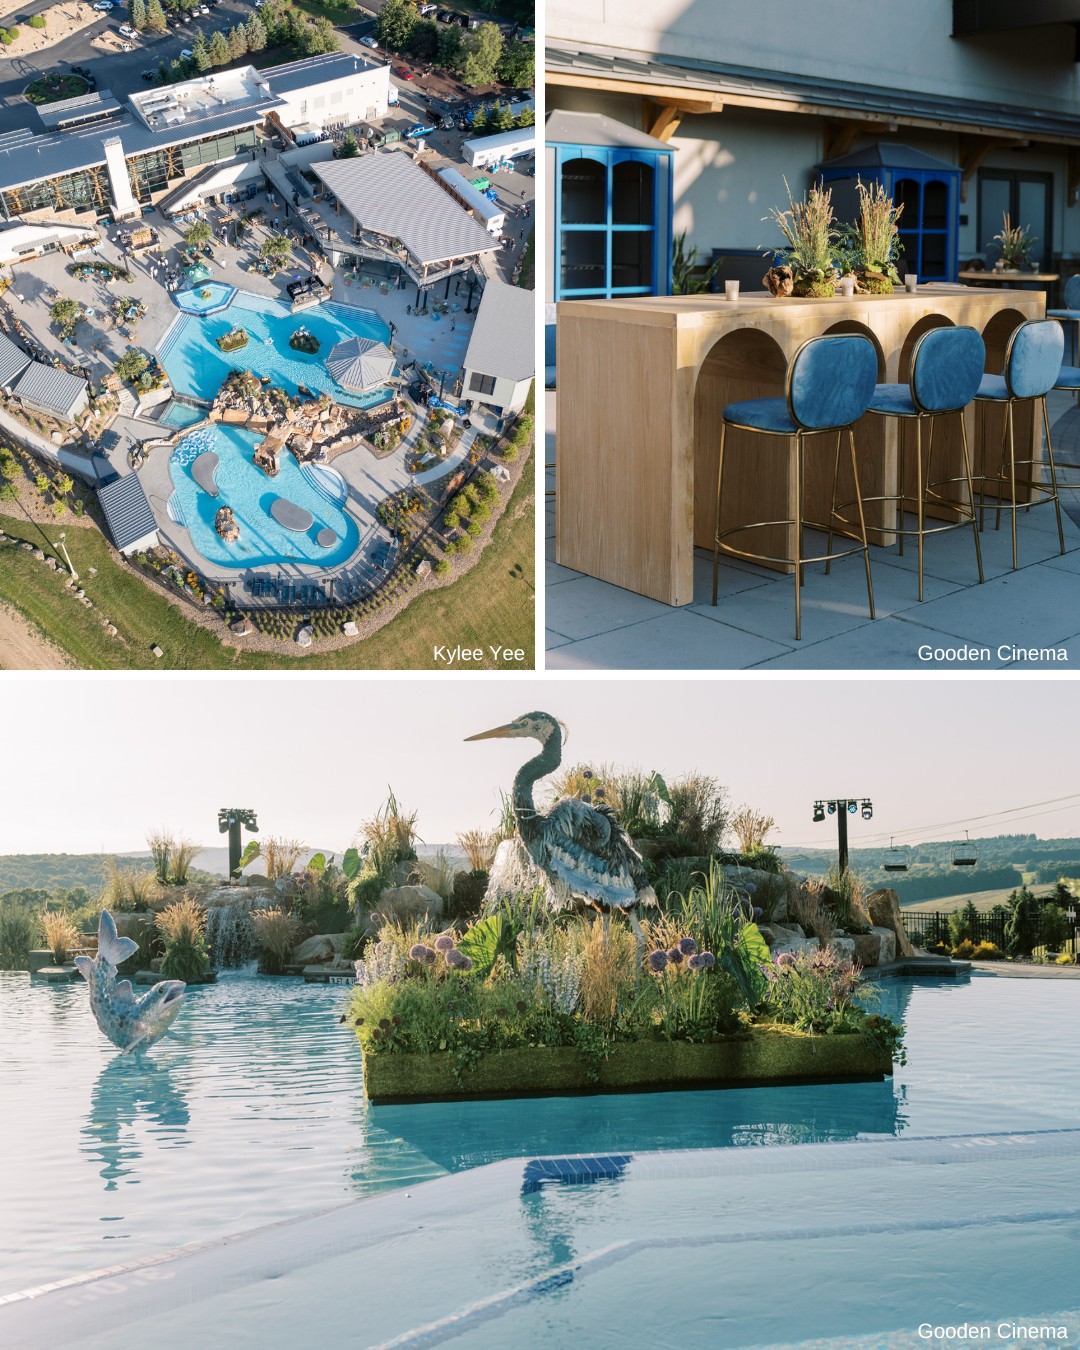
[581, 849]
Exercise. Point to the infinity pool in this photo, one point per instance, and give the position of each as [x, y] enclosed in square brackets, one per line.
[196, 366]
[263, 541]
[251, 1111]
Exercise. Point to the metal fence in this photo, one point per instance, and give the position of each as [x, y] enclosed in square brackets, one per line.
[926, 929]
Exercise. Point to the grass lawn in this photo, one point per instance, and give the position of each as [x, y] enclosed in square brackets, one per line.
[984, 900]
[337, 11]
[489, 605]
[53, 88]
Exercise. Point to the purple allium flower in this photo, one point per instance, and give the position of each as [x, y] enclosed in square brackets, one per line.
[687, 946]
[708, 960]
[457, 960]
[758, 913]
[500, 1012]
[384, 1023]
[374, 917]
[674, 955]
[586, 773]
[657, 960]
[419, 951]
[359, 1021]
[379, 945]
[694, 963]
[749, 887]
[519, 1005]
[785, 959]
[397, 1020]
[376, 1034]
[444, 942]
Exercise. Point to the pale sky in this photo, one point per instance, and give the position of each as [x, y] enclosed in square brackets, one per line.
[97, 765]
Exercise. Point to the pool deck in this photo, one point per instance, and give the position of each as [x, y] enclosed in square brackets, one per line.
[592, 625]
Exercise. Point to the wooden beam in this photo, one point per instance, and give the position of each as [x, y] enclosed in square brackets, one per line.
[666, 94]
[838, 138]
[973, 152]
[666, 124]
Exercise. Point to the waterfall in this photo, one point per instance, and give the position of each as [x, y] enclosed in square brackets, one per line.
[230, 934]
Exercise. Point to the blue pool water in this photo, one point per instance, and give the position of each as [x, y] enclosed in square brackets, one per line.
[210, 297]
[197, 367]
[251, 1111]
[180, 415]
[263, 542]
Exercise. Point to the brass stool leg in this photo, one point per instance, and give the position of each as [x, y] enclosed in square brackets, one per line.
[798, 533]
[971, 493]
[832, 502]
[1053, 475]
[1006, 430]
[862, 524]
[920, 506]
[1012, 479]
[716, 537]
[901, 486]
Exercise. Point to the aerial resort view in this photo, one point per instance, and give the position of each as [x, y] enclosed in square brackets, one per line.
[490, 1056]
[266, 341]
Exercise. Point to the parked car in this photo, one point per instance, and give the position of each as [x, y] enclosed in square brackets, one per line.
[403, 72]
[369, 41]
[104, 6]
[203, 10]
[186, 54]
[126, 30]
[149, 75]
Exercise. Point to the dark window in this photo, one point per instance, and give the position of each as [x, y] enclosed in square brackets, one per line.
[1027, 198]
[482, 384]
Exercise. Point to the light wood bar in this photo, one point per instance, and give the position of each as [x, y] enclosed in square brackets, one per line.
[642, 384]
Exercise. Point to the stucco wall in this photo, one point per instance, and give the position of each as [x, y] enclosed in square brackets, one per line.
[877, 42]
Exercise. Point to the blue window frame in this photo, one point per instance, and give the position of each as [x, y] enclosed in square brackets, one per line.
[612, 215]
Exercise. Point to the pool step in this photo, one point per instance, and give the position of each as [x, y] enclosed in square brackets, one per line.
[175, 510]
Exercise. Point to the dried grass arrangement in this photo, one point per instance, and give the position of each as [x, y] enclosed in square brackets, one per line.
[808, 227]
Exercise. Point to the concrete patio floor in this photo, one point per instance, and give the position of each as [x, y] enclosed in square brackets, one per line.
[592, 625]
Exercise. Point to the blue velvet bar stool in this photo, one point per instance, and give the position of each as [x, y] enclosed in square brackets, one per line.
[1071, 312]
[829, 384]
[945, 372]
[1032, 369]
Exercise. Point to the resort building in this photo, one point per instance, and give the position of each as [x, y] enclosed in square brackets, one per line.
[21, 243]
[44, 388]
[107, 162]
[128, 515]
[964, 112]
[400, 215]
[501, 357]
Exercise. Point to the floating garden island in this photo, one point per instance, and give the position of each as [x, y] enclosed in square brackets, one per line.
[519, 1007]
[233, 340]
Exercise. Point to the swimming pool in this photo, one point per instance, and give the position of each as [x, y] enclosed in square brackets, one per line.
[196, 366]
[179, 415]
[251, 1111]
[251, 494]
[209, 298]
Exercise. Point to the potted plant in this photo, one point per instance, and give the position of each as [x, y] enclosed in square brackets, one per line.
[811, 236]
[1015, 245]
[868, 249]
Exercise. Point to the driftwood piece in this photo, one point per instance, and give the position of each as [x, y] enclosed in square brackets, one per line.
[778, 281]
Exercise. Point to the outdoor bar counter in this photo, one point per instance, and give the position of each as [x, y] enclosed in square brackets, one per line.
[642, 383]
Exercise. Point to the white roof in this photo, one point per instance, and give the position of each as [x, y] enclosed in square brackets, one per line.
[392, 196]
[361, 363]
[502, 342]
[18, 237]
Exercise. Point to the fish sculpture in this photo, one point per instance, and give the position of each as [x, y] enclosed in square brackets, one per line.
[130, 1023]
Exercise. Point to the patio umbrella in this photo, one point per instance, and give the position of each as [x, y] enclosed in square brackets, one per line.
[197, 272]
[361, 363]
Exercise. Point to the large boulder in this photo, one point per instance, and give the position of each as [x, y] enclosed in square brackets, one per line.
[314, 951]
[408, 904]
[789, 939]
[876, 948]
[766, 890]
[844, 947]
[883, 907]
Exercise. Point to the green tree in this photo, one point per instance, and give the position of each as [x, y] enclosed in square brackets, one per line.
[1021, 927]
[138, 14]
[198, 234]
[518, 65]
[65, 314]
[131, 365]
[963, 924]
[481, 117]
[200, 55]
[503, 120]
[155, 17]
[349, 148]
[1055, 927]
[219, 50]
[424, 39]
[451, 45]
[525, 119]
[277, 249]
[395, 24]
[8, 492]
[255, 34]
[483, 51]
[316, 37]
[238, 43]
